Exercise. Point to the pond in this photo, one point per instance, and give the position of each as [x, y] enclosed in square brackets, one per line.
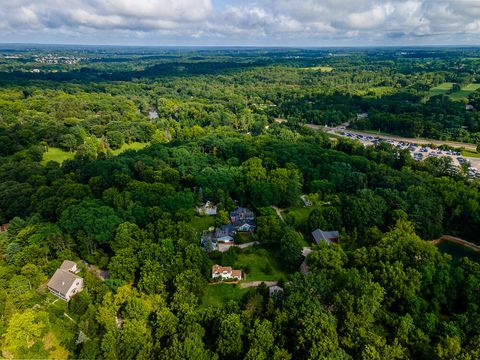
[458, 251]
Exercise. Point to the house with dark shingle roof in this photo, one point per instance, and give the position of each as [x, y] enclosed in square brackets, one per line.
[225, 233]
[243, 219]
[65, 283]
[326, 236]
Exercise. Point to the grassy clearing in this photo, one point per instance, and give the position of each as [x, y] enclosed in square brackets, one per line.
[242, 238]
[465, 91]
[201, 223]
[447, 86]
[131, 146]
[440, 89]
[56, 154]
[319, 68]
[218, 294]
[59, 155]
[470, 153]
[260, 265]
[300, 214]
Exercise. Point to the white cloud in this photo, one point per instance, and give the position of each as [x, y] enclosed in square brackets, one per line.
[262, 22]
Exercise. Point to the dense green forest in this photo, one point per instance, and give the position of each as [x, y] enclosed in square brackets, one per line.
[106, 152]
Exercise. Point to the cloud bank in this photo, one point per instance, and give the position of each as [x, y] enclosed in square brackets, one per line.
[235, 22]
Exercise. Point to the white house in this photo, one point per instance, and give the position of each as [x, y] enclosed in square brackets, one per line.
[225, 273]
[64, 283]
[208, 208]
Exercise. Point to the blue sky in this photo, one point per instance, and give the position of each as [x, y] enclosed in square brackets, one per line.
[235, 22]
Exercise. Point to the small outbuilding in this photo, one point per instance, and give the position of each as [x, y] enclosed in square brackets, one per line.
[326, 236]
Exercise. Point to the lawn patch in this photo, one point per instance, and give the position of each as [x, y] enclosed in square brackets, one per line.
[132, 146]
[56, 154]
[470, 153]
[300, 214]
[445, 88]
[244, 237]
[260, 264]
[201, 223]
[219, 294]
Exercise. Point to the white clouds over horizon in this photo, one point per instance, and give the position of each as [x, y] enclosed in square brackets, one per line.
[235, 22]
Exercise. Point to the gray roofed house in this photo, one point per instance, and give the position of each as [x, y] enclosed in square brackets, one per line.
[241, 214]
[327, 236]
[64, 283]
[225, 233]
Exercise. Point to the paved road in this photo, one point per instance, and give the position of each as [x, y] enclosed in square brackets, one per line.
[257, 283]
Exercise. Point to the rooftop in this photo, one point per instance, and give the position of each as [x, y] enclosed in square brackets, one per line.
[62, 281]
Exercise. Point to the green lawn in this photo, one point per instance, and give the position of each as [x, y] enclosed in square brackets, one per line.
[56, 154]
[470, 153]
[465, 91]
[131, 146]
[242, 238]
[440, 89]
[300, 213]
[218, 294]
[202, 222]
[319, 68]
[445, 88]
[59, 155]
[260, 264]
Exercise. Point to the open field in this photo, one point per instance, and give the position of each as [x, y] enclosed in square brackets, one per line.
[440, 89]
[319, 68]
[447, 86]
[59, 155]
[131, 146]
[260, 265]
[465, 91]
[218, 294]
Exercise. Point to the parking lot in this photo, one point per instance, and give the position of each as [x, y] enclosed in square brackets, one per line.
[418, 152]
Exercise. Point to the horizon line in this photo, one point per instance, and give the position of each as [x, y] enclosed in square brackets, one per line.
[247, 46]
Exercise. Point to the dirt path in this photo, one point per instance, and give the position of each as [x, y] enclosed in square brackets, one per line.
[246, 245]
[249, 284]
[279, 212]
[456, 240]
